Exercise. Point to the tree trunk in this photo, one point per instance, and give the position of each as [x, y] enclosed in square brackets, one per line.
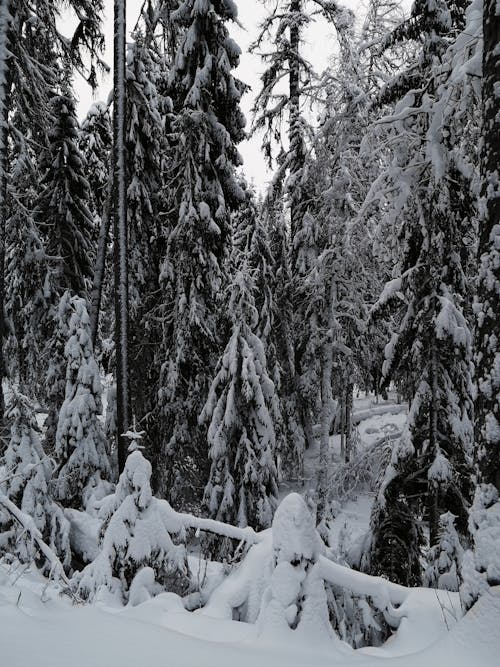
[433, 490]
[326, 414]
[100, 263]
[342, 425]
[326, 409]
[348, 421]
[487, 405]
[5, 92]
[123, 417]
[295, 130]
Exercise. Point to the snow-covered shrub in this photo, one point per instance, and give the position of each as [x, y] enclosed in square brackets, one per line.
[444, 558]
[25, 481]
[84, 469]
[481, 566]
[137, 533]
[296, 596]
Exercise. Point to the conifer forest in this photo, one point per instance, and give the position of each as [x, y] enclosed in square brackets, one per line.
[249, 402]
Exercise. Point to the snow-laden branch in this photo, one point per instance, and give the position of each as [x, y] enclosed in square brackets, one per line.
[29, 526]
[385, 594]
[226, 530]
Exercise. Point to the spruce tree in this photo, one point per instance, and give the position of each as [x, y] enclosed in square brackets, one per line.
[203, 191]
[84, 470]
[242, 486]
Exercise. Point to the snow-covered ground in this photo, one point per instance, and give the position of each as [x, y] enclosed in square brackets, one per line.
[39, 628]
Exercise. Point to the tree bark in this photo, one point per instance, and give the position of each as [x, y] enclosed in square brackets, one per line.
[123, 417]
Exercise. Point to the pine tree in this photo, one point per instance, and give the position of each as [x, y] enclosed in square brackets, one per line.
[26, 482]
[203, 191]
[63, 207]
[84, 470]
[31, 49]
[148, 111]
[242, 486]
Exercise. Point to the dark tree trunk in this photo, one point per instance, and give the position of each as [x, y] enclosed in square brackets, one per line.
[5, 92]
[123, 417]
[295, 129]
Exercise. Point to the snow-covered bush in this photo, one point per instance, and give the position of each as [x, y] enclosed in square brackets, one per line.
[481, 566]
[296, 596]
[444, 558]
[84, 469]
[137, 533]
[25, 482]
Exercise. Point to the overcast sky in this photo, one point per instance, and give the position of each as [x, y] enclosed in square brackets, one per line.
[320, 43]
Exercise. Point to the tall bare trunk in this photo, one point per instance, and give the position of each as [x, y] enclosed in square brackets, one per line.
[295, 129]
[123, 417]
[5, 90]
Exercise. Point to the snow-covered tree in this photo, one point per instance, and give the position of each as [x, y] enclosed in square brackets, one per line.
[84, 470]
[146, 142]
[481, 564]
[137, 534]
[430, 471]
[242, 486]
[487, 362]
[203, 190]
[444, 559]
[32, 50]
[63, 206]
[26, 479]
[482, 567]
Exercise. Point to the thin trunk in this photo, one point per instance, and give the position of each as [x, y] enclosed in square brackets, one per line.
[326, 415]
[123, 420]
[342, 425]
[433, 491]
[348, 422]
[5, 91]
[295, 129]
[326, 408]
[100, 263]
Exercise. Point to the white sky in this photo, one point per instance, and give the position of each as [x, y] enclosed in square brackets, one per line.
[320, 43]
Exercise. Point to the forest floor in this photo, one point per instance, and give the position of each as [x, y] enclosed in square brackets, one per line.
[40, 627]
